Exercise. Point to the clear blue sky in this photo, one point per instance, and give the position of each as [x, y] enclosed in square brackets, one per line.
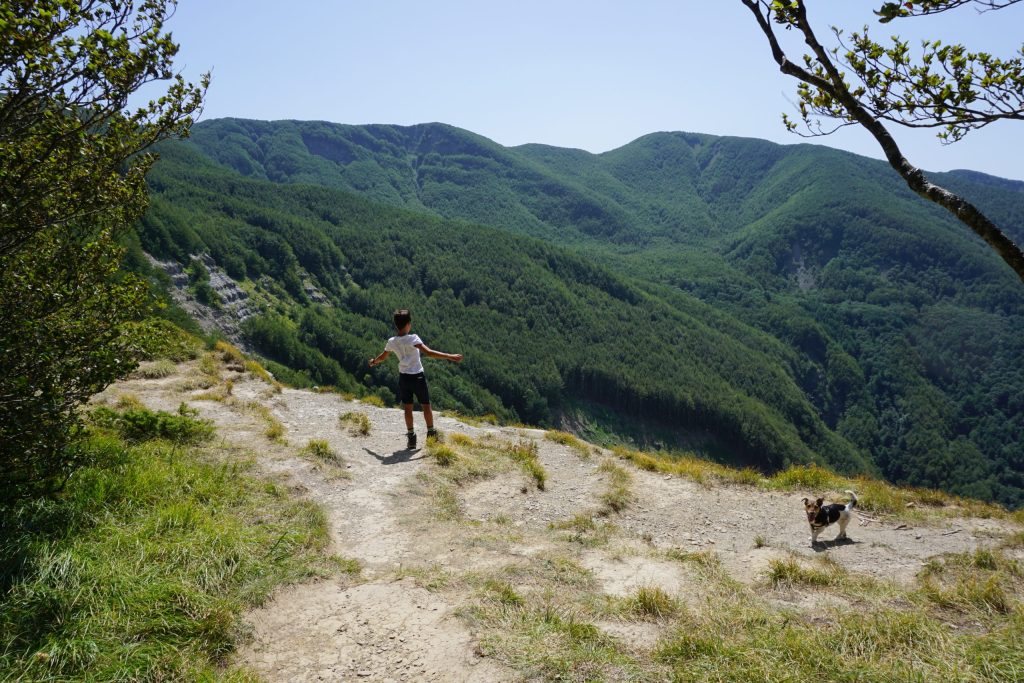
[593, 75]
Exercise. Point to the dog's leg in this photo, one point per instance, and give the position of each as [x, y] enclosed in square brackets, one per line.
[814, 536]
[844, 519]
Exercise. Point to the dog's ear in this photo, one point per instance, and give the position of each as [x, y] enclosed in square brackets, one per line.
[805, 501]
[820, 501]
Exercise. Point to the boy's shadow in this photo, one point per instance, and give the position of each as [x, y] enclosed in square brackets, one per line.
[823, 545]
[404, 455]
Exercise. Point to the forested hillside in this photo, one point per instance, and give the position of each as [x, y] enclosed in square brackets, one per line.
[538, 324]
[788, 300]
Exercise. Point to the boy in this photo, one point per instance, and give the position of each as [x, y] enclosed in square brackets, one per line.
[411, 380]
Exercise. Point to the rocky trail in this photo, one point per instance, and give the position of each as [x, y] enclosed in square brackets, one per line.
[430, 547]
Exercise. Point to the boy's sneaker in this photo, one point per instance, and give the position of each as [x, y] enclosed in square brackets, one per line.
[411, 442]
[432, 433]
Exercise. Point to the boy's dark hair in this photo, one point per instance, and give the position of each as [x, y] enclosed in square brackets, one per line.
[402, 318]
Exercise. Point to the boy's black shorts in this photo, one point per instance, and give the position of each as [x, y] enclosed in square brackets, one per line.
[410, 385]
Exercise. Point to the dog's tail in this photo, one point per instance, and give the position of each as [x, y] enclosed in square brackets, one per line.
[853, 500]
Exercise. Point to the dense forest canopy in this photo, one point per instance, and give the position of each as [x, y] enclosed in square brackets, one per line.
[794, 302]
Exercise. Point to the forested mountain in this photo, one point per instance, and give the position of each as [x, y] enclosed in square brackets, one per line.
[791, 301]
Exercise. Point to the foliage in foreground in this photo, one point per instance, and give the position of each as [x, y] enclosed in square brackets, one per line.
[73, 183]
[140, 569]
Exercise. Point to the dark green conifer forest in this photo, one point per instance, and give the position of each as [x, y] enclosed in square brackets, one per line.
[762, 304]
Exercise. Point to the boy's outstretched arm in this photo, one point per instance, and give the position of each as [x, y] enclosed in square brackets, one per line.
[426, 350]
[380, 359]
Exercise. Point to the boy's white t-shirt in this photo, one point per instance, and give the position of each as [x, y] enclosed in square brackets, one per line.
[408, 355]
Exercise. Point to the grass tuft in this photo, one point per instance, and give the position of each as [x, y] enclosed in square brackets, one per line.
[442, 455]
[502, 592]
[986, 581]
[274, 429]
[447, 503]
[652, 601]
[256, 370]
[567, 439]
[585, 530]
[619, 492]
[157, 369]
[210, 366]
[129, 402]
[474, 420]
[219, 394]
[525, 453]
[789, 572]
[460, 439]
[230, 355]
[321, 450]
[358, 423]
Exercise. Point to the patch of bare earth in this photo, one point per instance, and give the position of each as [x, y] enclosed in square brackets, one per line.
[400, 618]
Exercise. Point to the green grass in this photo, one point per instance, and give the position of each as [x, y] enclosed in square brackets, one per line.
[741, 642]
[547, 642]
[138, 423]
[141, 569]
[980, 583]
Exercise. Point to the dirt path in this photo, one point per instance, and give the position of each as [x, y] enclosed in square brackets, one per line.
[385, 625]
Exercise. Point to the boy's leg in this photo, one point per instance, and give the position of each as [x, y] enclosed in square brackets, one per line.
[423, 394]
[410, 435]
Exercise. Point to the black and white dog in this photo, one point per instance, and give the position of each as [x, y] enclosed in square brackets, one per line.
[820, 516]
